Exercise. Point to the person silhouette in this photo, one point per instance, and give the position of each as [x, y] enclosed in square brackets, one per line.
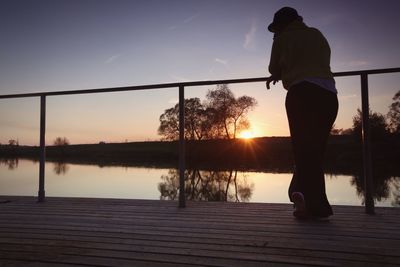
[300, 58]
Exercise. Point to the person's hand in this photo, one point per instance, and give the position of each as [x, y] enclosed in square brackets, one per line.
[272, 79]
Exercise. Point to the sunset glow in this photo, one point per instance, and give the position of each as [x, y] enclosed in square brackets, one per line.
[246, 135]
[128, 43]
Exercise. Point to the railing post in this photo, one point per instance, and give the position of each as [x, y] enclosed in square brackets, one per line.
[366, 140]
[41, 194]
[182, 198]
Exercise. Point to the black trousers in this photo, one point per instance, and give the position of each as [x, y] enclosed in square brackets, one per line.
[311, 111]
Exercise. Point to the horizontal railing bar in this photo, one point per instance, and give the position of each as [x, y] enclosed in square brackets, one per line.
[360, 72]
[185, 84]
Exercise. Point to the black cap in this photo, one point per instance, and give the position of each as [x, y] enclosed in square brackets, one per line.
[284, 16]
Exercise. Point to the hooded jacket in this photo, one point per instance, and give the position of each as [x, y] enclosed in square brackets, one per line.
[300, 52]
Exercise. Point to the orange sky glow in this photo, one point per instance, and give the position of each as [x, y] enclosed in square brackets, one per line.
[71, 45]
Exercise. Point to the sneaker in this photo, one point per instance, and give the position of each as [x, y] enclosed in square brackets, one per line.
[300, 211]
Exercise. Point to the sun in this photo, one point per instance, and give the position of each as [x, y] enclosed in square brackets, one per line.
[246, 135]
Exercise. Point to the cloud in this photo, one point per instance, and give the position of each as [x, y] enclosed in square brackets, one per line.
[249, 40]
[351, 64]
[221, 61]
[173, 101]
[191, 18]
[178, 78]
[347, 97]
[185, 21]
[172, 28]
[354, 63]
[330, 19]
[17, 125]
[112, 58]
[359, 63]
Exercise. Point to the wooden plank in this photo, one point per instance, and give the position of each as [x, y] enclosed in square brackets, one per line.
[175, 232]
[238, 227]
[205, 233]
[333, 229]
[192, 243]
[74, 255]
[278, 209]
[239, 234]
[321, 246]
[193, 212]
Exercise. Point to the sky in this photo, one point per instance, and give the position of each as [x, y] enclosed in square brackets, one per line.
[53, 45]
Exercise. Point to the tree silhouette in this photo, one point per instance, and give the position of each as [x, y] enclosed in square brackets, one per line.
[61, 141]
[221, 116]
[394, 114]
[229, 113]
[195, 118]
[13, 142]
[378, 125]
[169, 123]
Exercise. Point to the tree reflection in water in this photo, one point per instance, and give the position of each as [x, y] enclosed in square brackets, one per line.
[381, 187]
[11, 164]
[396, 192]
[207, 186]
[60, 168]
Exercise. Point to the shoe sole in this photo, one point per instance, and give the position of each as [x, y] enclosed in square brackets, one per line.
[300, 205]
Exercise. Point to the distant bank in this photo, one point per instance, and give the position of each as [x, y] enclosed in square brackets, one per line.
[266, 153]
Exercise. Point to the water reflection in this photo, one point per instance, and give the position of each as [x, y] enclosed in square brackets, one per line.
[381, 187]
[60, 168]
[11, 163]
[396, 193]
[20, 177]
[207, 186]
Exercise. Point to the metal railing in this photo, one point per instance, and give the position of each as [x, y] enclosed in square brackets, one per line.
[369, 202]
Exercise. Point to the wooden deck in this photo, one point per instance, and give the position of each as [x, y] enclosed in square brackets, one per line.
[111, 232]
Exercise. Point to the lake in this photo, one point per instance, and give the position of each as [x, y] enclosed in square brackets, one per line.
[20, 177]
